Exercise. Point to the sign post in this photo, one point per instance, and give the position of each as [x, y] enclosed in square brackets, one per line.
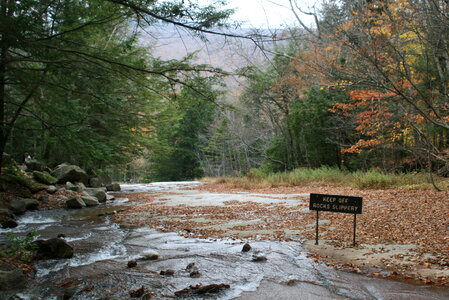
[336, 203]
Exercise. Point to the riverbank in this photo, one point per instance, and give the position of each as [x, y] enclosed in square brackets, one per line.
[401, 234]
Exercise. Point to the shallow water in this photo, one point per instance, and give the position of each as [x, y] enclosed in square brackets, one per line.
[99, 268]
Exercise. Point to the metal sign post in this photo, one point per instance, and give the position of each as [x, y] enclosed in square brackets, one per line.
[336, 203]
[316, 238]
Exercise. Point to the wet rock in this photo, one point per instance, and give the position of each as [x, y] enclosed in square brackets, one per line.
[98, 193]
[259, 258]
[11, 277]
[53, 248]
[61, 235]
[52, 189]
[195, 274]
[132, 263]
[113, 187]
[150, 256]
[30, 203]
[18, 206]
[44, 177]
[190, 266]
[7, 222]
[75, 202]
[292, 282]
[72, 173]
[168, 272]
[137, 293]
[246, 247]
[90, 201]
[201, 290]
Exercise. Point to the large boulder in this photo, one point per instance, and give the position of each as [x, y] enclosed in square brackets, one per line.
[90, 201]
[75, 202]
[113, 187]
[44, 177]
[53, 248]
[30, 203]
[72, 173]
[98, 193]
[11, 277]
[18, 206]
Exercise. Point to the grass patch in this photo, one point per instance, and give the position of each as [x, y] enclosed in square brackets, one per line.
[330, 176]
[373, 180]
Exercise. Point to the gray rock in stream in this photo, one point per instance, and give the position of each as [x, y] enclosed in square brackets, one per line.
[113, 187]
[90, 200]
[53, 248]
[98, 193]
[75, 202]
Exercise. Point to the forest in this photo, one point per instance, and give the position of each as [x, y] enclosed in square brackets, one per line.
[364, 88]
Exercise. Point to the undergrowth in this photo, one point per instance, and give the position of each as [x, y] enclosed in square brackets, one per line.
[372, 179]
[21, 248]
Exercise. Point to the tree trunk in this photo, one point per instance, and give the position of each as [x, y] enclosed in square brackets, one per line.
[3, 50]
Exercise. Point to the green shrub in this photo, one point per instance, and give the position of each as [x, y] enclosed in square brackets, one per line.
[21, 248]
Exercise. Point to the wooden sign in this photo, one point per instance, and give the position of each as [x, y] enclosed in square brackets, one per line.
[335, 203]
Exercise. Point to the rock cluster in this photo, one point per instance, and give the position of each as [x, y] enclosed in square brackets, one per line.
[25, 187]
[87, 190]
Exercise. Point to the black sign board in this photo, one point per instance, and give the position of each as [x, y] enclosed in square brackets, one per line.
[336, 203]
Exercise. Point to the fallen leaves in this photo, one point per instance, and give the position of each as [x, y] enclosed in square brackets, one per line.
[419, 217]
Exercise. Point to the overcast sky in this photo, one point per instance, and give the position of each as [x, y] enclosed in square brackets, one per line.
[267, 13]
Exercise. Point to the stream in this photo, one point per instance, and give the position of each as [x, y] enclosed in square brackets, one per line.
[102, 249]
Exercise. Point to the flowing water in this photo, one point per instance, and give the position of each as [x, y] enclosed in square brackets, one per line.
[102, 249]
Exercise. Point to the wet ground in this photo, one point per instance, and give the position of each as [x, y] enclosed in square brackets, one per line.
[270, 270]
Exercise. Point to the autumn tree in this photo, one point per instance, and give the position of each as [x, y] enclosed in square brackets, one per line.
[392, 57]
